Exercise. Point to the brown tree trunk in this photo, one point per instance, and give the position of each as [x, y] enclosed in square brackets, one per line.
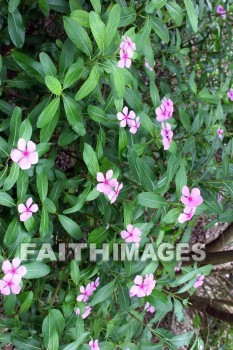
[224, 239]
[216, 258]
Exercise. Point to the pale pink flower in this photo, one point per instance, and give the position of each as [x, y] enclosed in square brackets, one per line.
[167, 135]
[7, 286]
[94, 344]
[106, 184]
[132, 235]
[128, 46]
[220, 198]
[162, 114]
[199, 282]
[221, 11]
[147, 65]
[220, 133]
[142, 287]
[125, 117]
[149, 308]
[125, 59]
[27, 211]
[95, 284]
[193, 199]
[85, 293]
[13, 270]
[186, 215]
[168, 104]
[177, 268]
[25, 155]
[135, 124]
[114, 194]
[86, 312]
[230, 94]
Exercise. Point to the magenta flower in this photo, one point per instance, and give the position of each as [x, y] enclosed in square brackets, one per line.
[127, 45]
[115, 193]
[135, 124]
[25, 155]
[177, 268]
[186, 215]
[7, 286]
[13, 270]
[230, 94]
[125, 117]
[221, 11]
[162, 114]
[142, 287]
[86, 312]
[220, 133]
[85, 293]
[132, 235]
[193, 199]
[149, 308]
[168, 104]
[167, 135]
[95, 284]
[106, 184]
[125, 59]
[94, 344]
[27, 211]
[147, 65]
[199, 282]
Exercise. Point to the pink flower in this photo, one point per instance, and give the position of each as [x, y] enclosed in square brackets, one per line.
[167, 135]
[168, 104]
[219, 198]
[86, 312]
[147, 65]
[220, 10]
[128, 46]
[142, 288]
[132, 235]
[114, 194]
[193, 199]
[27, 211]
[7, 286]
[230, 94]
[162, 114]
[13, 270]
[85, 293]
[106, 184]
[199, 282]
[135, 124]
[177, 268]
[125, 59]
[94, 344]
[220, 132]
[25, 155]
[187, 214]
[125, 117]
[95, 284]
[149, 308]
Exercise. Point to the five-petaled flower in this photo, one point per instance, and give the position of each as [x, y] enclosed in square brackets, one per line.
[115, 193]
[85, 293]
[221, 11]
[230, 94]
[193, 199]
[132, 235]
[14, 270]
[199, 282]
[128, 45]
[126, 117]
[106, 183]
[127, 48]
[7, 286]
[85, 314]
[165, 110]
[135, 124]
[220, 133]
[186, 215]
[142, 287]
[94, 344]
[149, 308]
[27, 211]
[167, 135]
[25, 155]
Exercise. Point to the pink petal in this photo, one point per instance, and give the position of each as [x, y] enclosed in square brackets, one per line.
[131, 115]
[124, 234]
[16, 262]
[31, 146]
[80, 297]
[21, 208]
[34, 208]
[185, 191]
[125, 110]
[128, 62]
[133, 129]
[121, 63]
[22, 270]
[22, 145]
[6, 266]
[6, 291]
[100, 188]
[24, 163]
[100, 177]
[16, 155]
[16, 279]
[33, 157]
[109, 174]
[25, 216]
[29, 202]
[123, 123]
[195, 192]
[15, 288]
[138, 280]
[129, 228]
[182, 218]
[120, 116]
[113, 182]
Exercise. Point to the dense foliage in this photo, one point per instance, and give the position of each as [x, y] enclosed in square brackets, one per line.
[114, 127]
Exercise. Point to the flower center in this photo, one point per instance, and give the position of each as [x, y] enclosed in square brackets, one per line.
[9, 284]
[125, 56]
[131, 234]
[190, 199]
[189, 215]
[106, 182]
[13, 271]
[141, 286]
[25, 153]
[28, 210]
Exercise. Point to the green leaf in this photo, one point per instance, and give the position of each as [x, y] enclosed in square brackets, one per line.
[41, 183]
[73, 73]
[30, 66]
[96, 4]
[192, 15]
[16, 29]
[181, 178]
[27, 302]
[154, 5]
[143, 35]
[160, 29]
[161, 303]
[29, 343]
[90, 160]
[12, 232]
[53, 85]
[70, 227]
[44, 222]
[12, 177]
[48, 113]
[82, 17]
[78, 35]
[123, 297]
[175, 12]
[48, 65]
[113, 22]
[103, 293]
[49, 206]
[44, 6]
[147, 176]
[98, 30]
[25, 130]
[46, 131]
[150, 200]
[66, 57]
[36, 270]
[171, 216]
[89, 84]
[74, 272]
[118, 77]
[183, 339]
[76, 344]
[80, 201]
[12, 5]
[73, 115]
[128, 16]
[4, 148]
[53, 322]
[99, 235]
[6, 200]
[53, 343]
[16, 120]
